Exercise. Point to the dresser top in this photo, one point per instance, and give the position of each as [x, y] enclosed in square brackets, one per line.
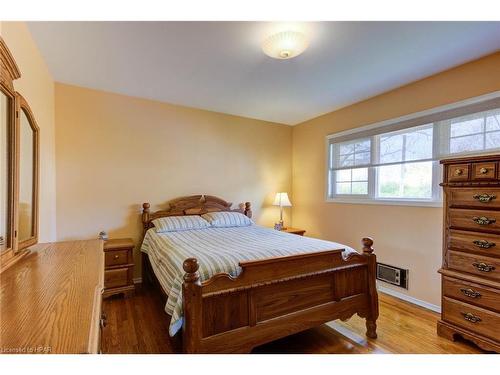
[471, 159]
[118, 243]
[51, 299]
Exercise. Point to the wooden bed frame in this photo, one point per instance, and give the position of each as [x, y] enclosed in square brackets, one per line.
[271, 298]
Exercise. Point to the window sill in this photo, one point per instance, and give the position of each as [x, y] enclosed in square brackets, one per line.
[386, 202]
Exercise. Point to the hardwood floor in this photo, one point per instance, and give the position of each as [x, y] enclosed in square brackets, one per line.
[139, 325]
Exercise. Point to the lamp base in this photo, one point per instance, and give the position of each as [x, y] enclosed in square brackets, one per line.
[282, 225]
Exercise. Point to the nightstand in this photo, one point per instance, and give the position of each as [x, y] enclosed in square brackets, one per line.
[119, 267]
[300, 232]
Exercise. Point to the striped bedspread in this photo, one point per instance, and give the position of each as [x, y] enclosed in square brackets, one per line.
[218, 250]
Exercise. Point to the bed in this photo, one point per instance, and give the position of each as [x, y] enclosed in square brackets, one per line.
[231, 289]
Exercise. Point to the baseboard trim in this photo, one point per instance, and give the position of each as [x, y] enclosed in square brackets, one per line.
[138, 280]
[410, 299]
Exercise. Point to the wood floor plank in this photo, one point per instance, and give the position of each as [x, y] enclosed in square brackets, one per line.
[139, 325]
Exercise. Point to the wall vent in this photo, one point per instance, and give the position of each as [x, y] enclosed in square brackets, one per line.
[392, 275]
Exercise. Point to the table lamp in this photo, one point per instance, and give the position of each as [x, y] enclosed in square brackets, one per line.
[282, 200]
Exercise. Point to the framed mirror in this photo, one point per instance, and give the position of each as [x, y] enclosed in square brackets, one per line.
[7, 111]
[8, 208]
[27, 142]
[19, 166]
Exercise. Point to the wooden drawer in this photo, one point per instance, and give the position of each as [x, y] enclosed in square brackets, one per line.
[478, 295]
[474, 242]
[482, 198]
[458, 172]
[484, 171]
[116, 277]
[472, 318]
[474, 264]
[475, 220]
[116, 257]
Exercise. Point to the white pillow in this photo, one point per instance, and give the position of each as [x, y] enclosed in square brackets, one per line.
[177, 223]
[227, 219]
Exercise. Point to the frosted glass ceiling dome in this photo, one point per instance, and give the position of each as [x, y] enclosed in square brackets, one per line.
[285, 45]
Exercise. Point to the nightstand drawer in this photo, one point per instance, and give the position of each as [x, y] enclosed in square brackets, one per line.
[116, 277]
[116, 257]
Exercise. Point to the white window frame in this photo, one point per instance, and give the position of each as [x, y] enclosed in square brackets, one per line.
[371, 198]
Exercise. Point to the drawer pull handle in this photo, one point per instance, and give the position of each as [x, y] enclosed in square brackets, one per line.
[104, 320]
[484, 198]
[483, 267]
[470, 293]
[483, 244]
[483, 220]
[470, 317]
[483, 170]
[459, 172]
[116, 257]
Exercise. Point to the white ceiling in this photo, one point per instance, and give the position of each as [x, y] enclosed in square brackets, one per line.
[219, 66]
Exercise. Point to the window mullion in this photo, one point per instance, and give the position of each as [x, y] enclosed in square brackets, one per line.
[484, 131]
[372, 173]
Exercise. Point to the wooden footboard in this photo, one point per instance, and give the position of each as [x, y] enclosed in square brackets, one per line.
[276, 297]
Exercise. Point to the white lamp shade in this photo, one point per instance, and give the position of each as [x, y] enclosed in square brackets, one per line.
[282, 200]
[285, 45]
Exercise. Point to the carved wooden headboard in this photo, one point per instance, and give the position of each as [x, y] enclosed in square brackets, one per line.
[191, 205]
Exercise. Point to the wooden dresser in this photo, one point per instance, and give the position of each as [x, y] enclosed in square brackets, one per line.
[471, 251]
[51, 299]
[119, 263]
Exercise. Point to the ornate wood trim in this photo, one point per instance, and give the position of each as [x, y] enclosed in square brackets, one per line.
[9, 71]
[451, 332]
[191, 205]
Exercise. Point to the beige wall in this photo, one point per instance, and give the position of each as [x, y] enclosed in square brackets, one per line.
[115, 152]
[409, 237]
[37, 86]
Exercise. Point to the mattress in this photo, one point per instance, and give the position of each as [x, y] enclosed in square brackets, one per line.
[218, 250]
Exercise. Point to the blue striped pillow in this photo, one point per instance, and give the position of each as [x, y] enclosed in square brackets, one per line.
[227, 219]
[177, 223]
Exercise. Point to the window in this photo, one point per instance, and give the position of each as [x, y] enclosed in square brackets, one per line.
[351, 181]
[475, 132]
[399, 160]
[402, 174]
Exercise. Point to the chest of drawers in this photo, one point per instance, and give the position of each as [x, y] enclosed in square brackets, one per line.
[471, 251]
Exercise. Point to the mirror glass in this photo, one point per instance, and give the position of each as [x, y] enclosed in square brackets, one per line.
[26, 178]
[4, 170]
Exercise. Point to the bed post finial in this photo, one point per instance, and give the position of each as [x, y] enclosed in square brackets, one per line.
[145, 216]
[192, 306]
[372, 315]
[248, 209]
[367, 245]
[191, 266]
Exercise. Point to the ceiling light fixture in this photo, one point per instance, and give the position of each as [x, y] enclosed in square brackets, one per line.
[285, 45]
